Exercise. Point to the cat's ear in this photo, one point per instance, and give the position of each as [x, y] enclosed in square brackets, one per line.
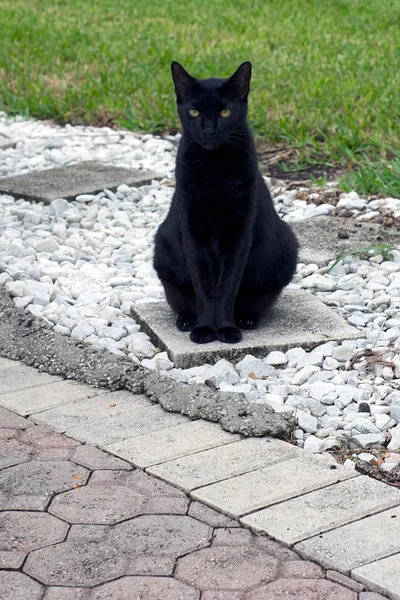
[182, 80]
[239, 84]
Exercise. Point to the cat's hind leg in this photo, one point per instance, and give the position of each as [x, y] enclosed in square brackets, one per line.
[183, 302]
[251, 305]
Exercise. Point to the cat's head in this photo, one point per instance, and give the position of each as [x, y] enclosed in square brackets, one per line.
[212, 110]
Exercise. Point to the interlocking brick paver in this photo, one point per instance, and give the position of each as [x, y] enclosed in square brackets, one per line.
[76, 564]
[26, 531]
[303, 569]
[151, 565]
[12, 452]
[9, 419]
[227, 568]
[244, 537]
[344, 580]
[63, 593]
[209, 515]
[88, 533]
[17, 586]
[48, 445]
[245, 493]
[301, 589]
[94, 504]
[381, 576]
[148, 588]
[371, 596]
[93, 458]
[11, 559]
[165, 535]
[139, 481]
[356, 544]
[213, 595]
[324, 509]
[221, 463]
[30, 486]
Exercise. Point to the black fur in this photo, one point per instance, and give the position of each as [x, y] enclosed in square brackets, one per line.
[223, 254]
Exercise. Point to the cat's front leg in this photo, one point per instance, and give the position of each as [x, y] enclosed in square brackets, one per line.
[204, 283]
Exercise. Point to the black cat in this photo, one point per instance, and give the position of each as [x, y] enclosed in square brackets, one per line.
[222, 254]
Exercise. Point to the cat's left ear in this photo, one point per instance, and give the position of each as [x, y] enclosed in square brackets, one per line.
[239, 83]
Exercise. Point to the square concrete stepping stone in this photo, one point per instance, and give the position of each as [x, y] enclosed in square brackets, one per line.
[6, 142]
[246, 493]
[298, 319]
[68, 182]
[349, 547]
[324, 509]
[382, 576]
[325, 238]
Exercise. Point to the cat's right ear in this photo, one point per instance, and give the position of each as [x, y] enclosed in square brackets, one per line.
[182, 80]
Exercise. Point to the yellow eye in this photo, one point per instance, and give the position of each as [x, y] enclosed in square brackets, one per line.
[225, 113]
[193, 112]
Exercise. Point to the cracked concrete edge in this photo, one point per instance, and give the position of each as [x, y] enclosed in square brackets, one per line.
[30, 340]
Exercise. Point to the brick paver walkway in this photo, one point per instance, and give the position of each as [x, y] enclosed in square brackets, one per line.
[79, 524]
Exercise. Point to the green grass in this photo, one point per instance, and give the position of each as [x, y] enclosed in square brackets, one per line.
[326, 74]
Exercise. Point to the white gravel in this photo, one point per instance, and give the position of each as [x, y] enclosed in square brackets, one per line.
[81, 265]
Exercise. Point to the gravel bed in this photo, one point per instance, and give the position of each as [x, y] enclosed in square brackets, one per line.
[81, 265]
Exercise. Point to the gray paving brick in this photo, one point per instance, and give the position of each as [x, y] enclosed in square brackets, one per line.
[298, 319]
[68, 182]
[213, 465]
[13, 379]
[382, 576]
[41, 397]
[275, 483]
[11, 559]
[356, 544]
[6, 363]
[324, 509]
[105, 406]
[172, 443]
[139, 421]
[93, 458]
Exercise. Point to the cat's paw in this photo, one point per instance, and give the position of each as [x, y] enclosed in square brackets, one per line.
[186, 321]
[203, 335]
[248, 321]
[229, 335]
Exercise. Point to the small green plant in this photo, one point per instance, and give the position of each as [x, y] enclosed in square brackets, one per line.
[320, 181]
[374, 250]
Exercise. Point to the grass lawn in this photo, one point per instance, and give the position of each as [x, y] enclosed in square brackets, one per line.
[326, 77]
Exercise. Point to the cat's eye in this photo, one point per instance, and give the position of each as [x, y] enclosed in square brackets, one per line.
[193, 112]
[225, 113]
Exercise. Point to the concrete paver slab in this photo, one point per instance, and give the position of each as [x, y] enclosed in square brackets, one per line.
[134, 422]
[320, 242]
[27, 378]
[298, 319]
[356, 544]
[324, 509]
[275, 483]
[174, 442]
[41, 397]
[104, 406]
[71, 181]
[381, 576]
[220, 463]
